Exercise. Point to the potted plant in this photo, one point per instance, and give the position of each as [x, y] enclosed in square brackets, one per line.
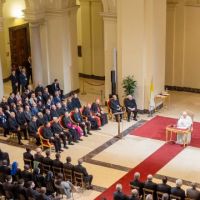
[129, 84]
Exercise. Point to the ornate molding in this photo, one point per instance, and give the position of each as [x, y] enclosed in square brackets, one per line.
[109, 16]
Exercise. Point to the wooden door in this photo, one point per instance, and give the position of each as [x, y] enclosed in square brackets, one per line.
[19, 44]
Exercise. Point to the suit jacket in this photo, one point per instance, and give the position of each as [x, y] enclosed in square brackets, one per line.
[150, 185]
[76, 103]
[164, 188]
[27, 155]
[56, 128]
[4, 170]
[23, 79]
[61, 111]
[130, 103]
[47, 133]
[67, 122]
[47, 161]
[47, 118]
[27, 176]
[32, 193]
[21, 119]
[4, 156]
[11, 100]
[9, 187]
[55, 87]
[32, 127]
[77, 117]
[119, 196]
[39, 89]
[14, 79]
[54, 113]
[115, 105]
[68, 166]
[193, 193]
[40, 121]
[57, 163]
[38, 158]
[139, 184]
[13, 125]
[27, 116]
[95, 108]
[177, 191]
[3, 121]
[81, 169]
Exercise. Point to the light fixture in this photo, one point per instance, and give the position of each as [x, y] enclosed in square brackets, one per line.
[17, 13]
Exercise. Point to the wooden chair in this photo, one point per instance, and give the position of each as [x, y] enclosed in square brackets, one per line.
[171, 196]
[159, 195]
[46, 168]
[68, 175]
[146, 192]
[57, 170]
[79, 180]
[45, 143]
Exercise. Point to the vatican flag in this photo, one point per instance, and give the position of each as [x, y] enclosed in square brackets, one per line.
[151, 102]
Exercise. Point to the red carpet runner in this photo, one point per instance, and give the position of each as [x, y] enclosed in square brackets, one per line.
[149, 166]
[154, 129]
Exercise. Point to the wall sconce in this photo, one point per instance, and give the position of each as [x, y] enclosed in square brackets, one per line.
[17, 13]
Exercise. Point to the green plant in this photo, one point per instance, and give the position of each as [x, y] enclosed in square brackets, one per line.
[129, 84]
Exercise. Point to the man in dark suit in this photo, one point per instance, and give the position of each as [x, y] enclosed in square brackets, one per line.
[118, 194]
[40, 119]
[39, 88]
[57, 129]
[4, 170]
[86, 126]
[31, 193]
[38, 155]
[28, 67]
[87, 178]
[75, 101]
[47, 115]
[137, 183]
[14, 126]
[4, 123]
[177, 191]
[60, 109]
[21, 120]
[47, 160]
[8, 187]
[192, 192]
[28, 156]
[68, 165]
[26, 174]
[149, 184]
[33, 129]
[4, 156]
[14, 81]
[53, 111]
[164, 187]
[23, 80]
[57, 162]
[115, 106]
[55, 86]
[131, 107]
[27, 113]
[54, 138]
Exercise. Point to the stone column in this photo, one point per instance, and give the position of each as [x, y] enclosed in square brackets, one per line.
[72, 13]
[37, 66]
[1, 29]
[110, 42]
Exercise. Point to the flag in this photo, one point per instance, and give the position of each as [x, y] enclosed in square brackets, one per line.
[151, 102]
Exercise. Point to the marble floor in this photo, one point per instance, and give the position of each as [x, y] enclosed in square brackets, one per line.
[122, 155]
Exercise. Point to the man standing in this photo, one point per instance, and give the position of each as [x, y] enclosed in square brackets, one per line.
[14, 81]
[115, 106]
[131, 107]
[184, 122]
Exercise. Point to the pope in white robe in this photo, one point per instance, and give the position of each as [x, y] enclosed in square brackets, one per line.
[184, 122]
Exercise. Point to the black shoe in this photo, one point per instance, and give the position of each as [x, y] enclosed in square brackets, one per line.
[86, 135]
[66, 147]
[89, 133]
[99, 129]
[76, 141]
[5, 135]
[135, 119]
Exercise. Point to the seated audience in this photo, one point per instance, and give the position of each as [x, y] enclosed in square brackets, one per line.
[28, 156]
[68, 165]
[47, 160]
[38, 178]
[134, 195]
[4, 170]
[26, 175]
[4, 156]
[131, 107]
[31, 192]
[38, 155]
[87, 178]
[192, 192]
[75, 101]
[178, 191]
[8, 187]
[149, 184]
[4, 123]
[57, 163]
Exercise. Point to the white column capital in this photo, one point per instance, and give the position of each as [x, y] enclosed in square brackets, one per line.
[34, 17]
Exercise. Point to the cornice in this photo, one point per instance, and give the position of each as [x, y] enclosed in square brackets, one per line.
[109, 15]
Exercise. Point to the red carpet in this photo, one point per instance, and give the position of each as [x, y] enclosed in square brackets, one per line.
[149, 166]
[154, 129]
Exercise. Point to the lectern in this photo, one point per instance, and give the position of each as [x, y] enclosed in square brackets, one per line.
[119, 134]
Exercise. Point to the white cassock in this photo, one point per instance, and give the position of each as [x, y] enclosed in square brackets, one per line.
[184, 123]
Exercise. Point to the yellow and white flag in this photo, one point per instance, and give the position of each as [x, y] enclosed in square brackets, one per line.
[151, 102]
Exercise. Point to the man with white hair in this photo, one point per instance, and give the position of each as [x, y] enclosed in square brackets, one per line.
[177, 191]
[118, 194]
[134, 195]
[136, 183]
[131, 107]
[149, 184]
[184, 122]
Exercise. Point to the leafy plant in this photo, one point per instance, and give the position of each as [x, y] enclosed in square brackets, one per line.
[129, 84]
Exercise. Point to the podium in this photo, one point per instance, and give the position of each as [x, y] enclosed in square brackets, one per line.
[119, 134]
